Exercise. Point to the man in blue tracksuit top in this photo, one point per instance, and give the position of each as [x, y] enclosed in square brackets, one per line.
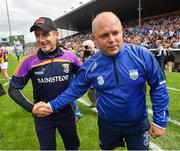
[119, 73]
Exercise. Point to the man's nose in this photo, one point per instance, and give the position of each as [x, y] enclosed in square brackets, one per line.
[41, 38]
[111, 38]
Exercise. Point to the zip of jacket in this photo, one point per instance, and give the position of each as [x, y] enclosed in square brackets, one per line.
[115, 70]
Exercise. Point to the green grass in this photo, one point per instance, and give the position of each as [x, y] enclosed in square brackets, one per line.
[17, 126]
[171, 139]
[173, 80]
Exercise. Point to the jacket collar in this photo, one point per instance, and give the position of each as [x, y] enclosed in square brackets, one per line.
[57, 52]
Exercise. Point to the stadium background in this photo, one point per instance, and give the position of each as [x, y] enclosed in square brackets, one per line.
[80, 19]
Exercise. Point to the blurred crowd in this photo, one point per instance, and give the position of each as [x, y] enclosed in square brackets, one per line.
[164, 28]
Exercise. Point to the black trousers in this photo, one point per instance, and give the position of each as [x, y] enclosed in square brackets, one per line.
[64, 122]
[2, 91]
[135, 137]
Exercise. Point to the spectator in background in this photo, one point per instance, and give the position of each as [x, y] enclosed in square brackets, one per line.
[160, 54]
[17, 47]
[89, 49]
[2, 90]
[170, 60]
[3, 69]
[177, 42]
[50, 70]
[80, 54]
[4, 63]
[17, 53]
[119, 72]
[77, 112]
[88, 52]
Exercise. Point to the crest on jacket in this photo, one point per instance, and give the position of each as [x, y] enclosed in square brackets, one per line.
[100, 80]
[133, 74]
[66, 68]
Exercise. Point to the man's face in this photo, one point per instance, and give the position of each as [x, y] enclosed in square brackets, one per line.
[108, 35]
[91, 48]
[46, 41]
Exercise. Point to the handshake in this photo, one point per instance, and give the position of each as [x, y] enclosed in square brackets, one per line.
[41, 109]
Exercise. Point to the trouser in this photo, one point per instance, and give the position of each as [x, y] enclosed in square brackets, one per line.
[92, 96]
[2, 91]
[64, 121]
[135, 137]
[161, 65]
[76, 109]
[169, 66]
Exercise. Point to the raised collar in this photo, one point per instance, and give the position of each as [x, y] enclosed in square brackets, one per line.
[57, 52]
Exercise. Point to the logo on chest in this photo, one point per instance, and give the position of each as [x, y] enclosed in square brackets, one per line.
[133, 74]
[41, 72]
[100, 80]
[66, 68]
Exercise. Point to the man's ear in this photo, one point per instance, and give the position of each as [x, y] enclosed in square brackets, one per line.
[93, 38]
[57, 34]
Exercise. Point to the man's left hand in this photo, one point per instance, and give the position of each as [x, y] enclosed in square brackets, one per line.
[155, 131]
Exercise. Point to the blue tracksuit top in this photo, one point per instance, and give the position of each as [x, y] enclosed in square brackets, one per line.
[120, 82]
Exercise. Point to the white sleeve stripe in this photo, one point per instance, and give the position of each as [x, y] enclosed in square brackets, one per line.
[162, 82]
[91, 65]
[25, 97]
[158, 126]
[49, 105]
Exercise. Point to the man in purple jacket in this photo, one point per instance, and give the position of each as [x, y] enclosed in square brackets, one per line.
[50, 70]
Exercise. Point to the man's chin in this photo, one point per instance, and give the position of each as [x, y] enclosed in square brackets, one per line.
[45, 50]
[114, 52]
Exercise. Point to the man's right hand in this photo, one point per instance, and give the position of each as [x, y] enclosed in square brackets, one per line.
[41, 109]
